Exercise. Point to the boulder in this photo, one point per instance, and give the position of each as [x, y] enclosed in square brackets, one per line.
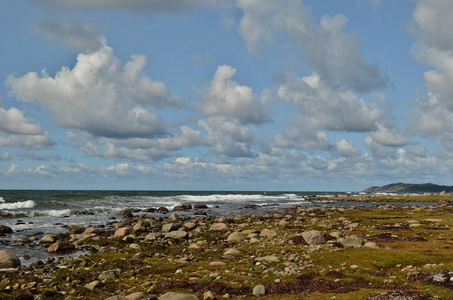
[200, 206]
[190, 225]
[91, 230]
[313, 237]
[137, 296]
[94, 285]
[123, 231]
[61, 247]
[219, 227]
[170, 227]
[108, 275]
[8, 259]
[268, 233]
[352, 241]
[235, 237]
[5, 229]
[48, 239]
[176, 235]
[116, 297]
[177, 296]
[259, 290]
[76, 229]
[173, 218]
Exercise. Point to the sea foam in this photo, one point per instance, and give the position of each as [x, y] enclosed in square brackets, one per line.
[17, 205]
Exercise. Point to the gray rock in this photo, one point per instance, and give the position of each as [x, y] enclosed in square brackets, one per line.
[170, 227]
[352, 241]
[217, 264]
[93, 285]
[232, 251]
[313, 237]
[371, 245]
[208, 296]
[268, 233]
[8, 259]
[219, 227]
[267, 258]
[107, 275]
[137, 296]
[48, 239]
[177, 296]
[176, 235]
[173, 218]
[235, 237]
[259, 290]
[117, 297]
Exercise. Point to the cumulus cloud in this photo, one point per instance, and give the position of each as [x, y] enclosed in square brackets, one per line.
[135, 6]
[326, 108]
[17, 130]
[227, 137]
[226, 97]
[432, 116]
[76, 35]
[98, 92]
[333, 54]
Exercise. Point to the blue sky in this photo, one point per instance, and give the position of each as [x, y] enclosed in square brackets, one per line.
[225, 94]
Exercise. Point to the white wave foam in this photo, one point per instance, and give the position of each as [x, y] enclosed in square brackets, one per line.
[2, 200]
[17, 205]
[233, 198]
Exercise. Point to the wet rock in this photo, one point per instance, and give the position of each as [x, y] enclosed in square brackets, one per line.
[219, 227]
[76, 229]
[61, 247]
[5, 229]
[173, 218]
[200, 206]
[259, 290]
[177, 296]
[126, 213]
[190, 225]
[313, 237]
[8, 259]
[162, 210]
[48, 239]
[91, 230]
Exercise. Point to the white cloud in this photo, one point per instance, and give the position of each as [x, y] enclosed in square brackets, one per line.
[345, 148]
[98, 92]
[227, 137]
[76, 35]
[226, 97]
[331, 53]
[325, 108]
[389, 137]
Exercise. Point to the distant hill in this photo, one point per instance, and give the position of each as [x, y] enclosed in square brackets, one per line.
[409, 188]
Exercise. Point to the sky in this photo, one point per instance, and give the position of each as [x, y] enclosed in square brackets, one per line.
[288, 95]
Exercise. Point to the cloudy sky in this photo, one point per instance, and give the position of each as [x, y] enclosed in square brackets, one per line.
[301, 95]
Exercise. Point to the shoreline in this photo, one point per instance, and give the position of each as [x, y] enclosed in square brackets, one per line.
[186, 253]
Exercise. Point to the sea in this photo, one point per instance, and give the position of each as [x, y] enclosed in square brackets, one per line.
[33, 213]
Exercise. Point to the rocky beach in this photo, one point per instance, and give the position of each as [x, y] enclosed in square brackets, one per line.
[394, 250]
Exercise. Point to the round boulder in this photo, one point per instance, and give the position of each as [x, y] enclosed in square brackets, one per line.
[8, 260]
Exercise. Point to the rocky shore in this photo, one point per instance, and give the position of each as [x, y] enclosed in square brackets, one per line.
[385, 252]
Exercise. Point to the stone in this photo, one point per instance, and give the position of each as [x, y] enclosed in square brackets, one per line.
[259, 290]
[173, 218]
[254, 241]
[177, 296]
[219, 227]
[336, 234]
[5, 229]
[91, 230]
[268, 233]
[76, 229]
[108, 275]
[8, 260]
[200, 206]
[371, 245]
[151, 237]
[313, 237]
[235, 237]
[232, 251]
[116, 297]
[170, 227]
[176, 235]
[93, 285]
[217, 264]
[208, 296]
[123, 231]
[190, 225]
[48, 239]
[352, 241]
[137, 296]
[268, 258]
[61, 247]
[135, 246]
